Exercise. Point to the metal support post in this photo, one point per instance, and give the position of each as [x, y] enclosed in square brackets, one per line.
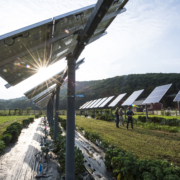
[125, 111]
[101, 111]
[52, 107]
[48, 111]
[56, 112]
[70, 127]
[179, 107]
[146, 112]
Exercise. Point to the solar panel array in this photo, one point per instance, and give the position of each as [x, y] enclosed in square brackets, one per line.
[91, 103]
[43, 102]
[130, 100]
[177, 98]
[51, 81]
[117, 100]
[98, 100]
[157, 94]
[85, 107]
[106, 101]
[42, 91]
[24, 51]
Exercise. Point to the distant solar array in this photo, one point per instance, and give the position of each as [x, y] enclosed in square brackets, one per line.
[94, 102]
[84, 105]
[157, 94]
[117, 100]
[106, 101]
[130, 100]
[177, 98]
[98, 100]
[91, 102]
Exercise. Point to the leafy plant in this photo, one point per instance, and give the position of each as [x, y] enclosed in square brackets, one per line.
[25, 122]
[2, 146]
[37, 116]
[6, 138]
[14, 129]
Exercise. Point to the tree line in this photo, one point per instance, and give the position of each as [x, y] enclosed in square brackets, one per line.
[109, 87]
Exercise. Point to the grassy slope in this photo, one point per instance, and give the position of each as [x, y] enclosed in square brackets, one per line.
[7, 120]
[146, 144]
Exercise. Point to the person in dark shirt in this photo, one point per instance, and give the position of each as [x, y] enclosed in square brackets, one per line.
[130, 119]
[117, 117]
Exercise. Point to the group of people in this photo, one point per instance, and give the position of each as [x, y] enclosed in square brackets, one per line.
[119, 115]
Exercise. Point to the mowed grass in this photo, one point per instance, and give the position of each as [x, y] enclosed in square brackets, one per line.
[7, 120]
[146, 144]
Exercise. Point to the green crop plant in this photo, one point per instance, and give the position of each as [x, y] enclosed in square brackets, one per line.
[6, 138]
[2, 146]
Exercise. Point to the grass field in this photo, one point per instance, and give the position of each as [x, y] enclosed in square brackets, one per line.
[7, 120]
[146, 144]
[165, 117]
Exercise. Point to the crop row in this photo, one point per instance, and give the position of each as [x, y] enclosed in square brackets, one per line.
[60, 149]
[12, 132]
[125, 165]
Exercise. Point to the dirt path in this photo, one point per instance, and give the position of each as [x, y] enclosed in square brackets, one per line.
[18, 160]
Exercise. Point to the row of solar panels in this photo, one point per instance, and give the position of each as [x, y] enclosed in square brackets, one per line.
[42, 93]
[24, 51]
[155, 96]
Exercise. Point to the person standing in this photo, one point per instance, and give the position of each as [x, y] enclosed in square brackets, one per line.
[121, 117]
[130, 119]
[117, 117]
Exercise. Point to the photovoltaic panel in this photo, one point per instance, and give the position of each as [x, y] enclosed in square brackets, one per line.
[92, 103]
[157, 94]
[83, 105]
[106, 101]
[130, 100]
[44, 93]
[87, 104]
[16, 61]
[117, 100]
[95, 101]
[49, 82]
[99, 103]
[177, 98]
[25, 50]
[93, 106]
[44, 100]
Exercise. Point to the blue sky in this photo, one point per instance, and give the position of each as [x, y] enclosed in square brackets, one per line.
[144, 39]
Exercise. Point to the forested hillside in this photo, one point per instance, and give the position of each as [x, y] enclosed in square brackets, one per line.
[112, 86]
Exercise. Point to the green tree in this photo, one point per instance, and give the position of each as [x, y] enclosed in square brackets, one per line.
[28, 109]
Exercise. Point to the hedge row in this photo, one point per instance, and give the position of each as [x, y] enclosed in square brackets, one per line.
[12, 132]
[125, 165]
[104, 117]
[160, 120]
